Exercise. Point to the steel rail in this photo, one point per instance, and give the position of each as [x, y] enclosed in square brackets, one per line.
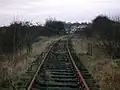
[80, 77]
[34, 77]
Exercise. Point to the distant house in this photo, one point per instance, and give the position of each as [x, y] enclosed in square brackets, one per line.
[78, 28]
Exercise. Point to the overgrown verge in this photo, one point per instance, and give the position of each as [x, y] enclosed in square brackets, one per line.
[11, 74]
[100, 65]
[88, 77]
[98, 47]
[21, 42]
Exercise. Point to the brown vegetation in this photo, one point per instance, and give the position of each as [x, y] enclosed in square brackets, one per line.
[100, 65]
[11, 69]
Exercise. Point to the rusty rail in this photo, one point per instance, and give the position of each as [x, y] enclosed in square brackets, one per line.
[81, 79]
[79, 75]
[33, 79]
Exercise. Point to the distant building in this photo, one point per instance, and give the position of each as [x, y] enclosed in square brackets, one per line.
[78, 28]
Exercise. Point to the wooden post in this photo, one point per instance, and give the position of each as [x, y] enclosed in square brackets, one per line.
[89, 49]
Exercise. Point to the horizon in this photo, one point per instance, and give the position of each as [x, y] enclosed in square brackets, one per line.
[69, 11]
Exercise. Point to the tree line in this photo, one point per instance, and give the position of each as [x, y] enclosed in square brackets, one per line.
[108, 32]
[19, 35]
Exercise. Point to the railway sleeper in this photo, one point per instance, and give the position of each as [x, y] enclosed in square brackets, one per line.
[58, 81]
[53, 84]
[64, 80]
[58, 73]
[62, 71]
[67, 69]
[55, 88]
[59, 76]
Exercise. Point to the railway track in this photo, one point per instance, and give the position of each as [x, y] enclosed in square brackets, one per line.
[58, 71]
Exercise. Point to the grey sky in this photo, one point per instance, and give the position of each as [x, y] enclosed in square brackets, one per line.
[67, 10]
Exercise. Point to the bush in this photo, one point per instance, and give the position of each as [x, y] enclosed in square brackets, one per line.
[108, 31]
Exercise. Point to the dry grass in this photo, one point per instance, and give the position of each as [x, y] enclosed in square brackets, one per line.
[105, 70]
[10, 69]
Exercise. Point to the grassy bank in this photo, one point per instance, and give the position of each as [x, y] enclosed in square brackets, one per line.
[104, 69]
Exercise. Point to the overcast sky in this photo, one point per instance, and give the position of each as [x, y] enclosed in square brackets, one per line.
[66, 10]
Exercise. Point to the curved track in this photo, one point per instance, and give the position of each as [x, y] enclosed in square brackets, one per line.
[58, 71]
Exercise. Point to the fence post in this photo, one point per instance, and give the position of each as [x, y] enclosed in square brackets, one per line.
[89, 49]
